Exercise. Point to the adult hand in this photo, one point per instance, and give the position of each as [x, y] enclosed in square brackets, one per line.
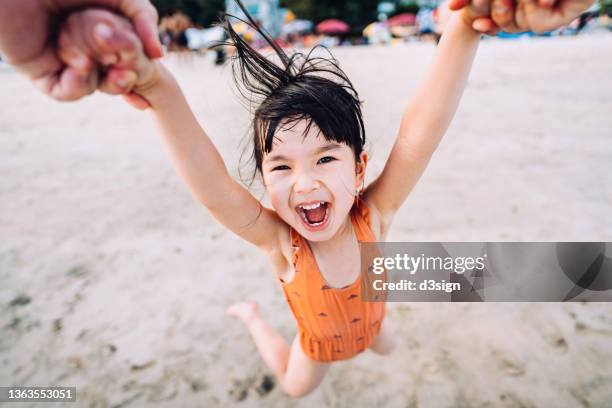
[476, 14]
[27, 41]
[530, 15]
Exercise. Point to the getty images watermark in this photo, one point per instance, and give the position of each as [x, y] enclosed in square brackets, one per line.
[486, 271]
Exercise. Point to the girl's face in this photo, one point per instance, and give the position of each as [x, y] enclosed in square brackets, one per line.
[312, 182]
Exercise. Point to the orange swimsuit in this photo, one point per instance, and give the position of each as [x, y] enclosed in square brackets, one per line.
[333, 323]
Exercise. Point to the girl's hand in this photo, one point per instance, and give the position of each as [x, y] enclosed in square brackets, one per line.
[536, 15]
[514, 16]
[476, 14]
[100, 35]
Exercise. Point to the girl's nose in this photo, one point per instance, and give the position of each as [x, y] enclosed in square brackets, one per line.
[305, 183]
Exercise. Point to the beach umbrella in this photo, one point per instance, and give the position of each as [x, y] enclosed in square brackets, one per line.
[297, 27]
[402, 19]
[332, 26]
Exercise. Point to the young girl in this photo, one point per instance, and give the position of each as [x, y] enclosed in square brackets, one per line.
[308, 138]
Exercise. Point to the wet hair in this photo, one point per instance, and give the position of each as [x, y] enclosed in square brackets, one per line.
[296, 87]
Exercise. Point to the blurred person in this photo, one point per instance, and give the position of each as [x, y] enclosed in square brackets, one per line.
[425, 22]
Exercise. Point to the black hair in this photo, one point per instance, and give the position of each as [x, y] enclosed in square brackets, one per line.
[299, 87]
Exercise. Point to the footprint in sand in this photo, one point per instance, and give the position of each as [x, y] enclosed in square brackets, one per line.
[262, 384]
[509, 399]
[559, 343]
[20, 300]
[507, 365]
[197, 385]
[582, 328]
[511, 368]
[240, 390]
[580, 397]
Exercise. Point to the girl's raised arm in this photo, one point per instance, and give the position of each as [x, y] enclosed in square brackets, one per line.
[425, 119]
[199, 164]
[106, 36]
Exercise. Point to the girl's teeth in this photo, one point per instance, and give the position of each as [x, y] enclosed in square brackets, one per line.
[311, 207]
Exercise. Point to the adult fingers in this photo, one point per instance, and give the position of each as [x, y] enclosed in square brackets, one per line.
[146, 27]
[57, 80]
[69, 52]
[118, 81]
[546, 3]
[121, 44]
[76, 60]
[69, 85]
[125, 46]
[571, 9]
[481, 7]
[457, 4]
[141, 12]
[136, 101]
[540, 19]
[503, 13]
[483, 24]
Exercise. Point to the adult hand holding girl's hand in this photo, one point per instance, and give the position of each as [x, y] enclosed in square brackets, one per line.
[99, 35]
[522, 15]
[476, 14]
[27, 40]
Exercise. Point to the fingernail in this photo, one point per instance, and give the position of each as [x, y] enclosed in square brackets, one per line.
[102, 30]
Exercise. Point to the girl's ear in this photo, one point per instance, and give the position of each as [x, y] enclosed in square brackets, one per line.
[360, 169]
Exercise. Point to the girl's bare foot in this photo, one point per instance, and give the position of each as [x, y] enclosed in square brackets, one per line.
[245, 311]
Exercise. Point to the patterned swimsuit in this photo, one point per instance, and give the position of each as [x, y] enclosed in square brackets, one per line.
[333, 323]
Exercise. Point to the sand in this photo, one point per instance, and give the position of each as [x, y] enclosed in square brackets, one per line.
[115, 280]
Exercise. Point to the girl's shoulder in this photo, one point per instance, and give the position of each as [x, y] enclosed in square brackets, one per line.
[376, 223]
[281, 256]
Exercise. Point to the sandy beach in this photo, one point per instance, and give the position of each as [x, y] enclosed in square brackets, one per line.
[115, 280]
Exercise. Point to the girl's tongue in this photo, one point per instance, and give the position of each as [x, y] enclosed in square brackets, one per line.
[316, 215]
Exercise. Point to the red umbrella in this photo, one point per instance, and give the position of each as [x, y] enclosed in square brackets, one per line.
[402, 19]
[332, 26]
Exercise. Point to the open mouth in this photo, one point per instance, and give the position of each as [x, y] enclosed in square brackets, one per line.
[314, 215]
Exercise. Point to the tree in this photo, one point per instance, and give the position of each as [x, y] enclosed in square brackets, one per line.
[606, 7]
[204, 12]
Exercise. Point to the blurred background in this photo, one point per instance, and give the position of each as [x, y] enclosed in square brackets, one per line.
[186, 24]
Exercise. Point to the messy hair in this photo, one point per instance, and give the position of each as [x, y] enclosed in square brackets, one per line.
[297, 87]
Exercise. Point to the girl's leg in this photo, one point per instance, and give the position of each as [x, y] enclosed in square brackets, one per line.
[298, 374]
[384, 343]
[303, 374]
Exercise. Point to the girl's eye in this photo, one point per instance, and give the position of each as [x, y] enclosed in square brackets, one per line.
[282, 167]
[326, 159]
